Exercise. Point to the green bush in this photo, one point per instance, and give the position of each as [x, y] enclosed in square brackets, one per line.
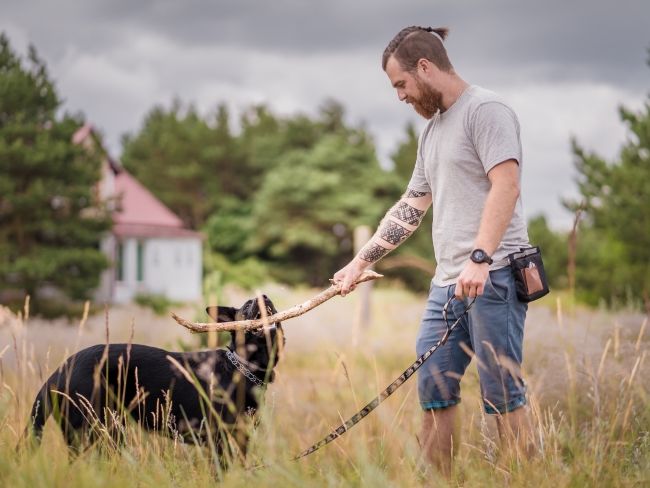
[158, 303]
[51, 308]
[249, 273]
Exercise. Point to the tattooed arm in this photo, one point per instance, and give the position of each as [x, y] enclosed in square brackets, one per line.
[396, 226]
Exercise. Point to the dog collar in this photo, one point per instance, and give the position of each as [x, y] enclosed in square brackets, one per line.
[245, 362]
[238, 363]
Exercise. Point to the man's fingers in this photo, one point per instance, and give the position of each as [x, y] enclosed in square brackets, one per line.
[459, 291]
[351, 285]
[480, 290]
[347, 277]
[347, 284]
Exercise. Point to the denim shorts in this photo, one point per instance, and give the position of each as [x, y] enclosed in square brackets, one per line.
[493, 330]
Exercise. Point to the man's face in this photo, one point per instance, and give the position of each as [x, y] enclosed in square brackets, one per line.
[414, 89]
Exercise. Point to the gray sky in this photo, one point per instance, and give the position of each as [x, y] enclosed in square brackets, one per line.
[564, 66]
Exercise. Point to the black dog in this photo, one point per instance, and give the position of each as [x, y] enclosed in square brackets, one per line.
[95, 383]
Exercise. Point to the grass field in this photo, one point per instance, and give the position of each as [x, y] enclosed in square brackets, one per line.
[587, 373]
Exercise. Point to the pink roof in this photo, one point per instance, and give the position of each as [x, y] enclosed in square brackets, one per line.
[139, 206]
[82, 132]
[141, 214]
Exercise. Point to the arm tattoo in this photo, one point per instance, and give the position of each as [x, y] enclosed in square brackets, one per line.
[408, 214]
[413, 194]
[394, 233]
[373, 253]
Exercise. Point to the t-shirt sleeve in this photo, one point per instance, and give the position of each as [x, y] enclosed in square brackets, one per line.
[494, 131]
[418, 179]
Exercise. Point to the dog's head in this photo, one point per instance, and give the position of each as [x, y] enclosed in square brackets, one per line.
[259, 343]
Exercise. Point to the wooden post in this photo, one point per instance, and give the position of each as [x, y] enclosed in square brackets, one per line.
[362, 235]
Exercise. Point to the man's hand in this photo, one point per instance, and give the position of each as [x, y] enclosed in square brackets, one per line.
[471, 281]
[349, 275]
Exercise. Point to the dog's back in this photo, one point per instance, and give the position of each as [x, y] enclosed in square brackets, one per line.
[87, 382]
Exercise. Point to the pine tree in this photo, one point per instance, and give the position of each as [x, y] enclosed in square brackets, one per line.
[324, 181]
[191, 163]
[617, 201]
[50, 221]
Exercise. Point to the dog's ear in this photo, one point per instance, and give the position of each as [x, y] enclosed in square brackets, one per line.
[222, 314]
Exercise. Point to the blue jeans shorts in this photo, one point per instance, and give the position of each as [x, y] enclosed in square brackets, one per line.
[493, 330]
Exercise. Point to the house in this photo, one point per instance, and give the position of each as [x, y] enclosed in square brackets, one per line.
[150, 249]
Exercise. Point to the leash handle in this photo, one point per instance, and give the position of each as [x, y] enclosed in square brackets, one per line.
[391, 388]
[444, 316]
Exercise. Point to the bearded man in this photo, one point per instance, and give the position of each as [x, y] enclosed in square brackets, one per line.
[468, 164]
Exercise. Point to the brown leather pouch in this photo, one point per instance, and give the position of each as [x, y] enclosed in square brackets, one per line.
[533, 280]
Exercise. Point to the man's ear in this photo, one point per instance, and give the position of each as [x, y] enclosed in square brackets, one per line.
[424, 66]
[222, 314]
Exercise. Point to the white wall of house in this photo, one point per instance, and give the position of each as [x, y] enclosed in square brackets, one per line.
[104, 290]
[173, 267]
[166, 266]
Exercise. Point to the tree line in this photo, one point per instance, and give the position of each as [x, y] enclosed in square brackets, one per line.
[285, 192]
[277, 196]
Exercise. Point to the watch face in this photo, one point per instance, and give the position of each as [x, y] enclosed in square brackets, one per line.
[478, 255]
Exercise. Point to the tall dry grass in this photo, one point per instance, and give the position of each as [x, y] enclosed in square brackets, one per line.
[587, 373]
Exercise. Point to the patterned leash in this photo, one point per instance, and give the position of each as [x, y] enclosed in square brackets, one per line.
[391, 388]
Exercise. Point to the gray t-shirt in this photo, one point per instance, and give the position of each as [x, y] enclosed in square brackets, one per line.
[456, 151]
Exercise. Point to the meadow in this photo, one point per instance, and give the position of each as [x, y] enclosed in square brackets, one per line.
[586, 370]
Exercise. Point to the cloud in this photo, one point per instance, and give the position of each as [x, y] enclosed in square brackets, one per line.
[563, 66]
[550, 115]
[556, 38]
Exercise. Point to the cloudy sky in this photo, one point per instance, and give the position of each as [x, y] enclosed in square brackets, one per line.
[564, 66]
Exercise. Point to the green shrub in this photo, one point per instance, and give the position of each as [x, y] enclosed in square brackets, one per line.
[158, 303]
[50, 308]
[249, 273]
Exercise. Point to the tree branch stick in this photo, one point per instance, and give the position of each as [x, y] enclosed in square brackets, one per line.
[332, 291]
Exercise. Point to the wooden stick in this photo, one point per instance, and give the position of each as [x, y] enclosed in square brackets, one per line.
[332, 291]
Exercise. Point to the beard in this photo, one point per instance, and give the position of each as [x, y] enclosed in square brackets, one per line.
[428, 101]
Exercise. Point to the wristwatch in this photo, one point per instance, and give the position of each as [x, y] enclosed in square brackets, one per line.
[480, 256]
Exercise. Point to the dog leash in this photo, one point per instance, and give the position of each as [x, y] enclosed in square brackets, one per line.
[391, 388]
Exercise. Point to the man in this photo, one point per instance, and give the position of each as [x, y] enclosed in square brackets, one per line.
[469, 166]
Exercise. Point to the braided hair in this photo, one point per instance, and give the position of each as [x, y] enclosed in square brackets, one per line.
[414, 43]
